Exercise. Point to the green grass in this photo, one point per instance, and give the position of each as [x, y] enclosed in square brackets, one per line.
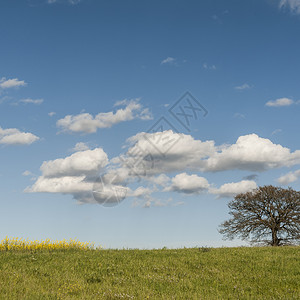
[221, 273]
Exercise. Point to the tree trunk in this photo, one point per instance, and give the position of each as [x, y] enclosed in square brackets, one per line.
[275, 240]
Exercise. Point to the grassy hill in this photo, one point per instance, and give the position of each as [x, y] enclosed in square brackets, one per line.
[221, 273]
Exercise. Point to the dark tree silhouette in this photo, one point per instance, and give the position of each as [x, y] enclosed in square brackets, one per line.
[269, 215]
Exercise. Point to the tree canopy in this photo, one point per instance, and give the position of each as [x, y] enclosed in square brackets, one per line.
[268, 214]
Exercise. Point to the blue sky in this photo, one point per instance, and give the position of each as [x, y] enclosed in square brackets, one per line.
[84, 85]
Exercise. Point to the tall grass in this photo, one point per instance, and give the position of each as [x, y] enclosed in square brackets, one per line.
[263, 273]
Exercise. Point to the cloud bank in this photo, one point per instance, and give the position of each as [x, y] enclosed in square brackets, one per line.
[147, 168]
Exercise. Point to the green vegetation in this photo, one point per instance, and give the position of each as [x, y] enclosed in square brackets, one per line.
[205, 273]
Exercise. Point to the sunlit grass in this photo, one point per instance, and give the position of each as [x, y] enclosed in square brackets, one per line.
[198, 273]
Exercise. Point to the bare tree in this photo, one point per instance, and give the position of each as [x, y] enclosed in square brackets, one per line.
[269, 215]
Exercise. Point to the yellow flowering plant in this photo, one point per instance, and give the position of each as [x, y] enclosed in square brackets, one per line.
[21, 244]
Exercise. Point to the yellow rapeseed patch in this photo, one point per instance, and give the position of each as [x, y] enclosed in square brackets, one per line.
[22, 244]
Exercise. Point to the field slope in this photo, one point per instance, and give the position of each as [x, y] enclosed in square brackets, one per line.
[221, 273]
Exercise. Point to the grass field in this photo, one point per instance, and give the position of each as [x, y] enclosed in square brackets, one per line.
[205, 273]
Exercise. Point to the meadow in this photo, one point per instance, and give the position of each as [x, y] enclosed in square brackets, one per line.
[78, 271]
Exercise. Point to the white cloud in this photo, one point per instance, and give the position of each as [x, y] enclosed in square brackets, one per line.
[234, 188]
[63, 185]
[188, 184]
[250, 152]
[13, 136]
[51, 114]
[244, 86]
[109, 194]
[289, 177]
[280, 102]
[86, 123]
[75, 175]
[32, 101]
[116, 176]
[11, 83]
[80, 147]
[87, 162]
[293, 5]
[168, 60]
[161, 180]
[141, 192]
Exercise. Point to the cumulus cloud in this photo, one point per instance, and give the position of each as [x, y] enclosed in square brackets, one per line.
[168, 60]
[13, 136]
[78, 175]
[168, 151]
[280, 102]
[86, 123]
[234, 188]
[161, 180]
[74, 174]
[141, 192]
[249, 152]
[109, 194]
[32, 101]
[188, 184]
[147, 164]
[289, 177]
[11, 83]
[87, 162]
[51, 114]
[293, 5]
[64, 185]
